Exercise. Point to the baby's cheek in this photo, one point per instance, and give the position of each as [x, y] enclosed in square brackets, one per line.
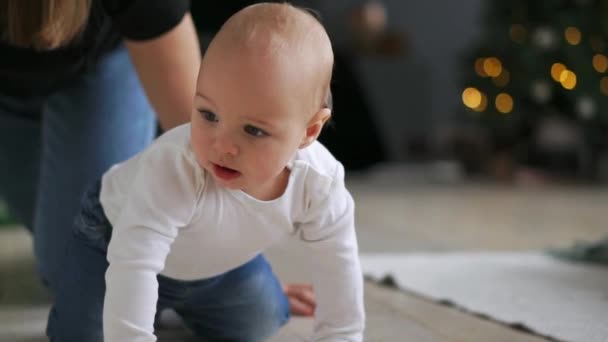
[265, 167]
[199, 147]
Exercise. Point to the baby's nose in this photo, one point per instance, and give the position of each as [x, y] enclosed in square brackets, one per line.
[225, 145]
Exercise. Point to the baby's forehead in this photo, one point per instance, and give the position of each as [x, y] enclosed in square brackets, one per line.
[285, 42]
[273, 27]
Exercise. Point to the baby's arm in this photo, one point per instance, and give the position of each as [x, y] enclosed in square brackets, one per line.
[337, 278]
[136, 255]
[161, 199]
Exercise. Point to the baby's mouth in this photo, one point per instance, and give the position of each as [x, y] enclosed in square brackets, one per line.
[225, 173]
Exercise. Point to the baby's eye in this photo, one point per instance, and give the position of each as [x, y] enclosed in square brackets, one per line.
[209, 116]
[254, 131]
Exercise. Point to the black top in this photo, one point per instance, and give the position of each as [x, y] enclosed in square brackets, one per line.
[210, 17]
[25, 71]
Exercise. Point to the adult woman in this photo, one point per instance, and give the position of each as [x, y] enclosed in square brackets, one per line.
[82, 83]
[71, 103]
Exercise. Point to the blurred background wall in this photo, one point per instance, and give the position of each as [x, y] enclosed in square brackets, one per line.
[410, 86]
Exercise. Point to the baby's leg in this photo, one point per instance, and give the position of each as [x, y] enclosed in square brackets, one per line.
[244, 304]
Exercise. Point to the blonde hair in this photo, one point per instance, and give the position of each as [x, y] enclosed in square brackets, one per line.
[43, 24]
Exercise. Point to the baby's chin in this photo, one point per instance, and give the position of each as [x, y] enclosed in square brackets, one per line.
[233, 184]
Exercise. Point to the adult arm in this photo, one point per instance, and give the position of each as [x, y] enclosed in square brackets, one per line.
[163, 44]
[167, 67]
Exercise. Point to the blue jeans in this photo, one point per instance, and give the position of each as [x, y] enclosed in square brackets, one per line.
[51, 147]
[243, 304]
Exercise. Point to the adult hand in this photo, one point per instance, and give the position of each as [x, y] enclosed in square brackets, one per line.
[301, 299]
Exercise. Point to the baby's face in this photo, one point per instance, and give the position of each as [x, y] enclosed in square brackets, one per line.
[248, 120]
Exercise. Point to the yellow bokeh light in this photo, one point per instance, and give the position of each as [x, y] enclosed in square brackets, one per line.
[568, 79]
[504, 103]
[600, 63]
[502, 79]
[556, 71]
[517, 32]
[471, 97]
[483, 104]
[492, 66]
[604, 86]
[572, 35]
[479, 67]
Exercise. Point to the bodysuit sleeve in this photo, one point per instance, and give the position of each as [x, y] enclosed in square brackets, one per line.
[332, 251]
[162, 199]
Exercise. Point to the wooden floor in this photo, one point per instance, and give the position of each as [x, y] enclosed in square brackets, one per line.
[390, 218]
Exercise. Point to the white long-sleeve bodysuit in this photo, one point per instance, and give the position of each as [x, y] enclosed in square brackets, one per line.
[170, 217]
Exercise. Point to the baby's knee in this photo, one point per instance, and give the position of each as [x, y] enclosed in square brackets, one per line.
[259, 327]
[269, 313]
[255, 323]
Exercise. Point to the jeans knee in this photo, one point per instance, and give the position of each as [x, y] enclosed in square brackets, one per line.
[266, 325]
[249, 306]
[269, 313]
[64, 328]
[76, 335]
[77, 314]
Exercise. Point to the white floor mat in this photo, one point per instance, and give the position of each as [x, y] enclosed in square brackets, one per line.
[565, 301]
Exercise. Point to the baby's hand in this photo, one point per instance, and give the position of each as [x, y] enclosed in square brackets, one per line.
[301, 299]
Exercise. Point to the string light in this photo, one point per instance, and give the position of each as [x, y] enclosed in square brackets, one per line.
[471, 97]
[492, 66]
[521, 80]
[556, 71]
[600, 63]
[479, 67]
[572, 35]
[568, 79]
[504, 103]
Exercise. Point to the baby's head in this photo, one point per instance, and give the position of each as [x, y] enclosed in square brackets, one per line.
[263, 92]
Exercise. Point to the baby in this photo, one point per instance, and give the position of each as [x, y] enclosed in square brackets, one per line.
[182, 225]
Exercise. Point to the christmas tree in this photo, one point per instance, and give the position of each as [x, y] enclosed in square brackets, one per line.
[539, 59]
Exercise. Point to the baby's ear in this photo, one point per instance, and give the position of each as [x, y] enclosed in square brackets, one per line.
[315, 125]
